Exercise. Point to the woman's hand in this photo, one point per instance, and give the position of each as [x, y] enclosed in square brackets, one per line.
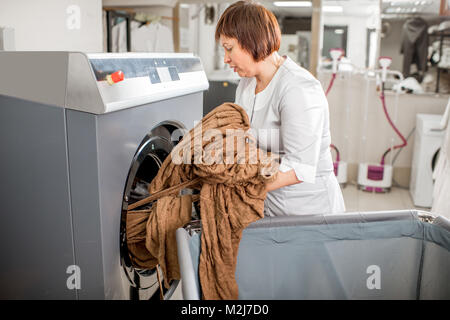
[283, 179]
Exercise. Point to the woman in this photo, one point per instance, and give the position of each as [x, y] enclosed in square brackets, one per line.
[288, 111]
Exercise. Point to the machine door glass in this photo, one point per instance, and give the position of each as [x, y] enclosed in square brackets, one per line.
[435, 159]
[154, 148]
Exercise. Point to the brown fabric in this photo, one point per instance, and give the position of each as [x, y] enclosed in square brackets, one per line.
[231, 197]
[170, 213]
[136, 234]
[151, 234]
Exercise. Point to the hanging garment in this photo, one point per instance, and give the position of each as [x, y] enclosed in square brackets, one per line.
[414, 46]
[290, 117]
[119, 37]
[105, 32]
[231, 197]
[153, 37]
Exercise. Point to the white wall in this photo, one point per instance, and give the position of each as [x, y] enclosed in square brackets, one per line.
[54, 25]
[289, 41]
[206, 42]
[356, 36]
[358, 16]
[199, 36]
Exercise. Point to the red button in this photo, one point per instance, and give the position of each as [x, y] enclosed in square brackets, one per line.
[115, 77]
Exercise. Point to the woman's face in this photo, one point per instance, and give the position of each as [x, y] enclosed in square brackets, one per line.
[237, 58]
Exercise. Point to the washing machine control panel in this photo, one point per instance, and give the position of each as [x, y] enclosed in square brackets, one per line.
[146, 77]
[158, 69]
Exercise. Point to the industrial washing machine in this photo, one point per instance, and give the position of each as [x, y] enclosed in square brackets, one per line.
[427, 144]
[81, 136]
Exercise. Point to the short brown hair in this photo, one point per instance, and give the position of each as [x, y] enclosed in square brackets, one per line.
[255, 28]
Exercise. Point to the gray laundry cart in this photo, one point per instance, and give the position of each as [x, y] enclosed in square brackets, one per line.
[369, 255]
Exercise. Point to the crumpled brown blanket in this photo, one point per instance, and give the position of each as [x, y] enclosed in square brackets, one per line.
[218, 157]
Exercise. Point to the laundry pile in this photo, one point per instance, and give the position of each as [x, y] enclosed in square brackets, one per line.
[232, 195]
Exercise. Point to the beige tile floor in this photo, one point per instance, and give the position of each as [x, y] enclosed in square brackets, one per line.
[396, 199]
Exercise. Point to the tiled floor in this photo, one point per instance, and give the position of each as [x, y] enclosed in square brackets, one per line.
[396, 199]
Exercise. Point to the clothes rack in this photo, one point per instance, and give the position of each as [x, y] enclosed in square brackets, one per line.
[128, 14]
[110, 16]
[441, 34]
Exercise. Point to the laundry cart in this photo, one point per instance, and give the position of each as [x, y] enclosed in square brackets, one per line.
[368, 255]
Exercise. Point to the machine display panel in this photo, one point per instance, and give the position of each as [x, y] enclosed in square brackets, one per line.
[143, 67]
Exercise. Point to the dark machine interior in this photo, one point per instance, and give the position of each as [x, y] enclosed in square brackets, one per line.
[150, 155]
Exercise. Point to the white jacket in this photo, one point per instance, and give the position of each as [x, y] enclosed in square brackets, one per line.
[290, 117]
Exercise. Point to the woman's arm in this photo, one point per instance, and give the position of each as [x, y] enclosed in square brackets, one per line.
[283, 179]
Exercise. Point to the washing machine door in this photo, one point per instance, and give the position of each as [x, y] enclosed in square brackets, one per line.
[153, 150]
[434, 160]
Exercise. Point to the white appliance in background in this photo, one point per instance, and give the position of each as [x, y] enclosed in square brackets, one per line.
[427, 143]
[7, 42]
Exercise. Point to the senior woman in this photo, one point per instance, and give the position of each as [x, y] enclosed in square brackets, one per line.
[287, 109]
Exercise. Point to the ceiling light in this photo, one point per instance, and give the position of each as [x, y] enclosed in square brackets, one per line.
[292, 3]
[339, 31]
[334, 9]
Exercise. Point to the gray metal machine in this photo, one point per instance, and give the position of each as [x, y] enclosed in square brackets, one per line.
[74, 151]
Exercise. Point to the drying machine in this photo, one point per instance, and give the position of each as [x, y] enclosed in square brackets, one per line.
[427, 143]
[76, 150]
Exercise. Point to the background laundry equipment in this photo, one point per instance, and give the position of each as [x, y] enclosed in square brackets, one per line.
[377, 177]
[428, 140]
[73, 151]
